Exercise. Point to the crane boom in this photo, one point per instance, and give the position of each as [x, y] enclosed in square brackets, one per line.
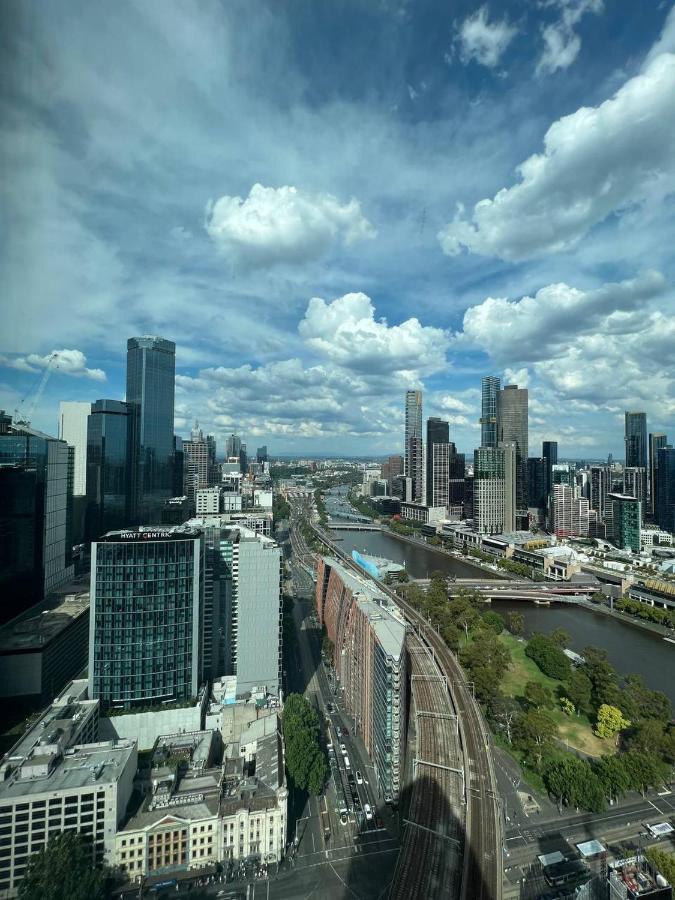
[24, 414]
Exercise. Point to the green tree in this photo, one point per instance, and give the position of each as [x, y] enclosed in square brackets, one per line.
[611, 771]
[486, 651]
[493, 620]
[567, 706]
[604, 680]
[534, 733]
[305, 761]
[572, 782]
[663, 862]
[516, 622]
[645, 770]
[548, 656]
[64, 868]
[560, 637]
[538, 695]
[451, 635]
[639, 702]
[504, 713]
[610, 721]
[463, 613]
[578, 689]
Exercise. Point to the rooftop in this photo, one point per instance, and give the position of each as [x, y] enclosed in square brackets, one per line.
[39, 624]
[151, 533]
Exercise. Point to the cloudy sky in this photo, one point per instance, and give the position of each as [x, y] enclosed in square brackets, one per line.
[326, 202]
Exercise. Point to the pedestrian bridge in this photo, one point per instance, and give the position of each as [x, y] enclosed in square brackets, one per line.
[353, 526]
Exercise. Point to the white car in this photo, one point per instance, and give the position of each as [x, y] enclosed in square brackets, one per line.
[343, 749]
[359, 777]
[368, 811]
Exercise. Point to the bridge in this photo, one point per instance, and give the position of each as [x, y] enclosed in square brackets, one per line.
[353, 526]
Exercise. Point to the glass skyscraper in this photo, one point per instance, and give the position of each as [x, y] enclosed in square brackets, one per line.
[151, 371]
[145, 618]
[490, 386]
[665, 483]
[512, 428]
[438, 432]
[414, 464]
[657, 440]
[107, 467]
[549, 450]
[636, 439]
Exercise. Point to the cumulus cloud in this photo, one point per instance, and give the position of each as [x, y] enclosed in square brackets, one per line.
[535, 328]
[346, 332]
[67, 362]
[597, 161]
[283, 225]
[484, 41]
[561, 42]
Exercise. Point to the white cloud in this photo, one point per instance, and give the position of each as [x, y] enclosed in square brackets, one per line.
[521, 377]
[451, 402]
[666, 41]
[346, 332]
[561, 42]
[67, 362]
[536, 328]
[597, 161]
[276, 225]
[484, 41]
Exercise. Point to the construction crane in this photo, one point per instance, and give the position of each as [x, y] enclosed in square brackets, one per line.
[24, 412]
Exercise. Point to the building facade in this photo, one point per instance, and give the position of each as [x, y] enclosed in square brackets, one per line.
[199, 462]
[151, 372]
[635, 483]
[512, 415]
[370, 662]
[636, 439]
[146, 616]
[438, 433]
[107, 467]
[549, 451]
[657, 440]
[488, 490]
[413, 461]
[490, 386]
[569, 514]
[626, 522]
[665, 498]
[73, 419]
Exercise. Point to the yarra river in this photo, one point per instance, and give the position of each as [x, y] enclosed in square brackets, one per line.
[629, 648]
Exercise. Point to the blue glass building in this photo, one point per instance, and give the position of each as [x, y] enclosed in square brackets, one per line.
[107, 467]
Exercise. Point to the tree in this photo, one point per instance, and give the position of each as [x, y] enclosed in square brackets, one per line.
[516, 622]
[548, 656]
[560, 637]
[463, 613]
[604, 680]
[486, 651]
[305, 761]
[538, 695]
[610, 721]
[611, 771]
[644, 770]
[327, 648]
[639, 702]
[578, 689]
[505, 712]
[493, 620]
[573, 782]
[534, 733]
[662, 862]
[451, 635]
[567, 706]
[65, 868]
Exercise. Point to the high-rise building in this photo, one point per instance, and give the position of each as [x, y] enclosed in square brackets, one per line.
[569, 514]
[657, 440]
[36, 541]
[549, 451]
[488, 490]
[512, 427]
[199, 462]
[438, 488]
[151, 371]
[635, 483]
[368, 634]
[146, 616]
[626, 521]
[600, 487]
[562, 473]
[457, 477]
[107, 467]
[178, 466]
[536, 479]
[392, 467]
[413, 464]
[438, 432]
[636, 439]
[490, 387]
[665, 499]
[509, 450]
[233, 446]
[261, 454]
[73, 419]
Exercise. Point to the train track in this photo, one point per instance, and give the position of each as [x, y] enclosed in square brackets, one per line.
[482, 866]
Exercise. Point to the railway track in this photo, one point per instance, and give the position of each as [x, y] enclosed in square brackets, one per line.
[481, 847]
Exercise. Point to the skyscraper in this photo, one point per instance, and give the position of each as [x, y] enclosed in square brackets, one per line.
[73, 418]
[626, 521]
[199, 462]
[488, 490]
[490, 386]
[438, 432]
[146, 616]
[665, 499]
[107, 467]
[656, 440]
[509, 450]
[414, 466]
[151, 371]
[569, 514]
[636, 439]
[549, 450]
[600, 486]
[233, 446]
[635, 483]
[536, 479]
[512, 427]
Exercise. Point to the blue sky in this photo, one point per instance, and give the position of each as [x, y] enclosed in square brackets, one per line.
[325, 203]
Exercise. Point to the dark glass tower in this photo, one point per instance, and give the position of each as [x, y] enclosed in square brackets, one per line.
[536, 477]
[657, 440]
[107, 467]
[151, 370]
[636, 439]
[438, 432]
[665, 498]
[549, 450]
[512, 428]
[490, 386]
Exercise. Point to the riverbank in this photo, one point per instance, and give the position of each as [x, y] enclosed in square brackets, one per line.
[467, 561]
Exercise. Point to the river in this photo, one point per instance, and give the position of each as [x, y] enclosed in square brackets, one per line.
[629, 648]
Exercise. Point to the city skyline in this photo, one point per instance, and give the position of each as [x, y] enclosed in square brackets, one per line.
[305, 333]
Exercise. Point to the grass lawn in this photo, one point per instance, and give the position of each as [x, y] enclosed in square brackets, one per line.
[576, 731]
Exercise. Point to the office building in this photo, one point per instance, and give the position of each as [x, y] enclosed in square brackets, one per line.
[60, 777]
[199, 462]
[176, 511]
[457, 479]
[243, 459]
[563, 473]
[413, 460]
[438, 433]
[151, 371]
[178, 466]
[636, 439]
[665, 499]
[510, 452]
[107, 467]
[600, 486]
[536, 481]
[145, 623]
[626, 521]
[233, 447]
[549, 451]
[242, 604]
[261, 454]
[657, 440]
[490, 387]
[635, 483]
[368, 634]
[73, 417]
[392, 467]
[512, 427]
[208, 501]
[36, 486]
[569, 514]
[488, 490]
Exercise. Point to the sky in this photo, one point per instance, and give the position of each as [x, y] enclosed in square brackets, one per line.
[325, 203]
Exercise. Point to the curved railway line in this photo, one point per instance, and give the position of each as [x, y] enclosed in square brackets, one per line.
[429, 866]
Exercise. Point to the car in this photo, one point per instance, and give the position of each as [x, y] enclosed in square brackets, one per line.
[379, 822]
[345, 731]
[343, 749]
[368, 811]
[343, 818]
[338, 731]
[359, 777]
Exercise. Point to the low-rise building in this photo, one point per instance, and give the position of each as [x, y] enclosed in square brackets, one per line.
[426, 515]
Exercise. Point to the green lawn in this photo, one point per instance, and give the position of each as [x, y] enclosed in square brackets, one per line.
[576, 731]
